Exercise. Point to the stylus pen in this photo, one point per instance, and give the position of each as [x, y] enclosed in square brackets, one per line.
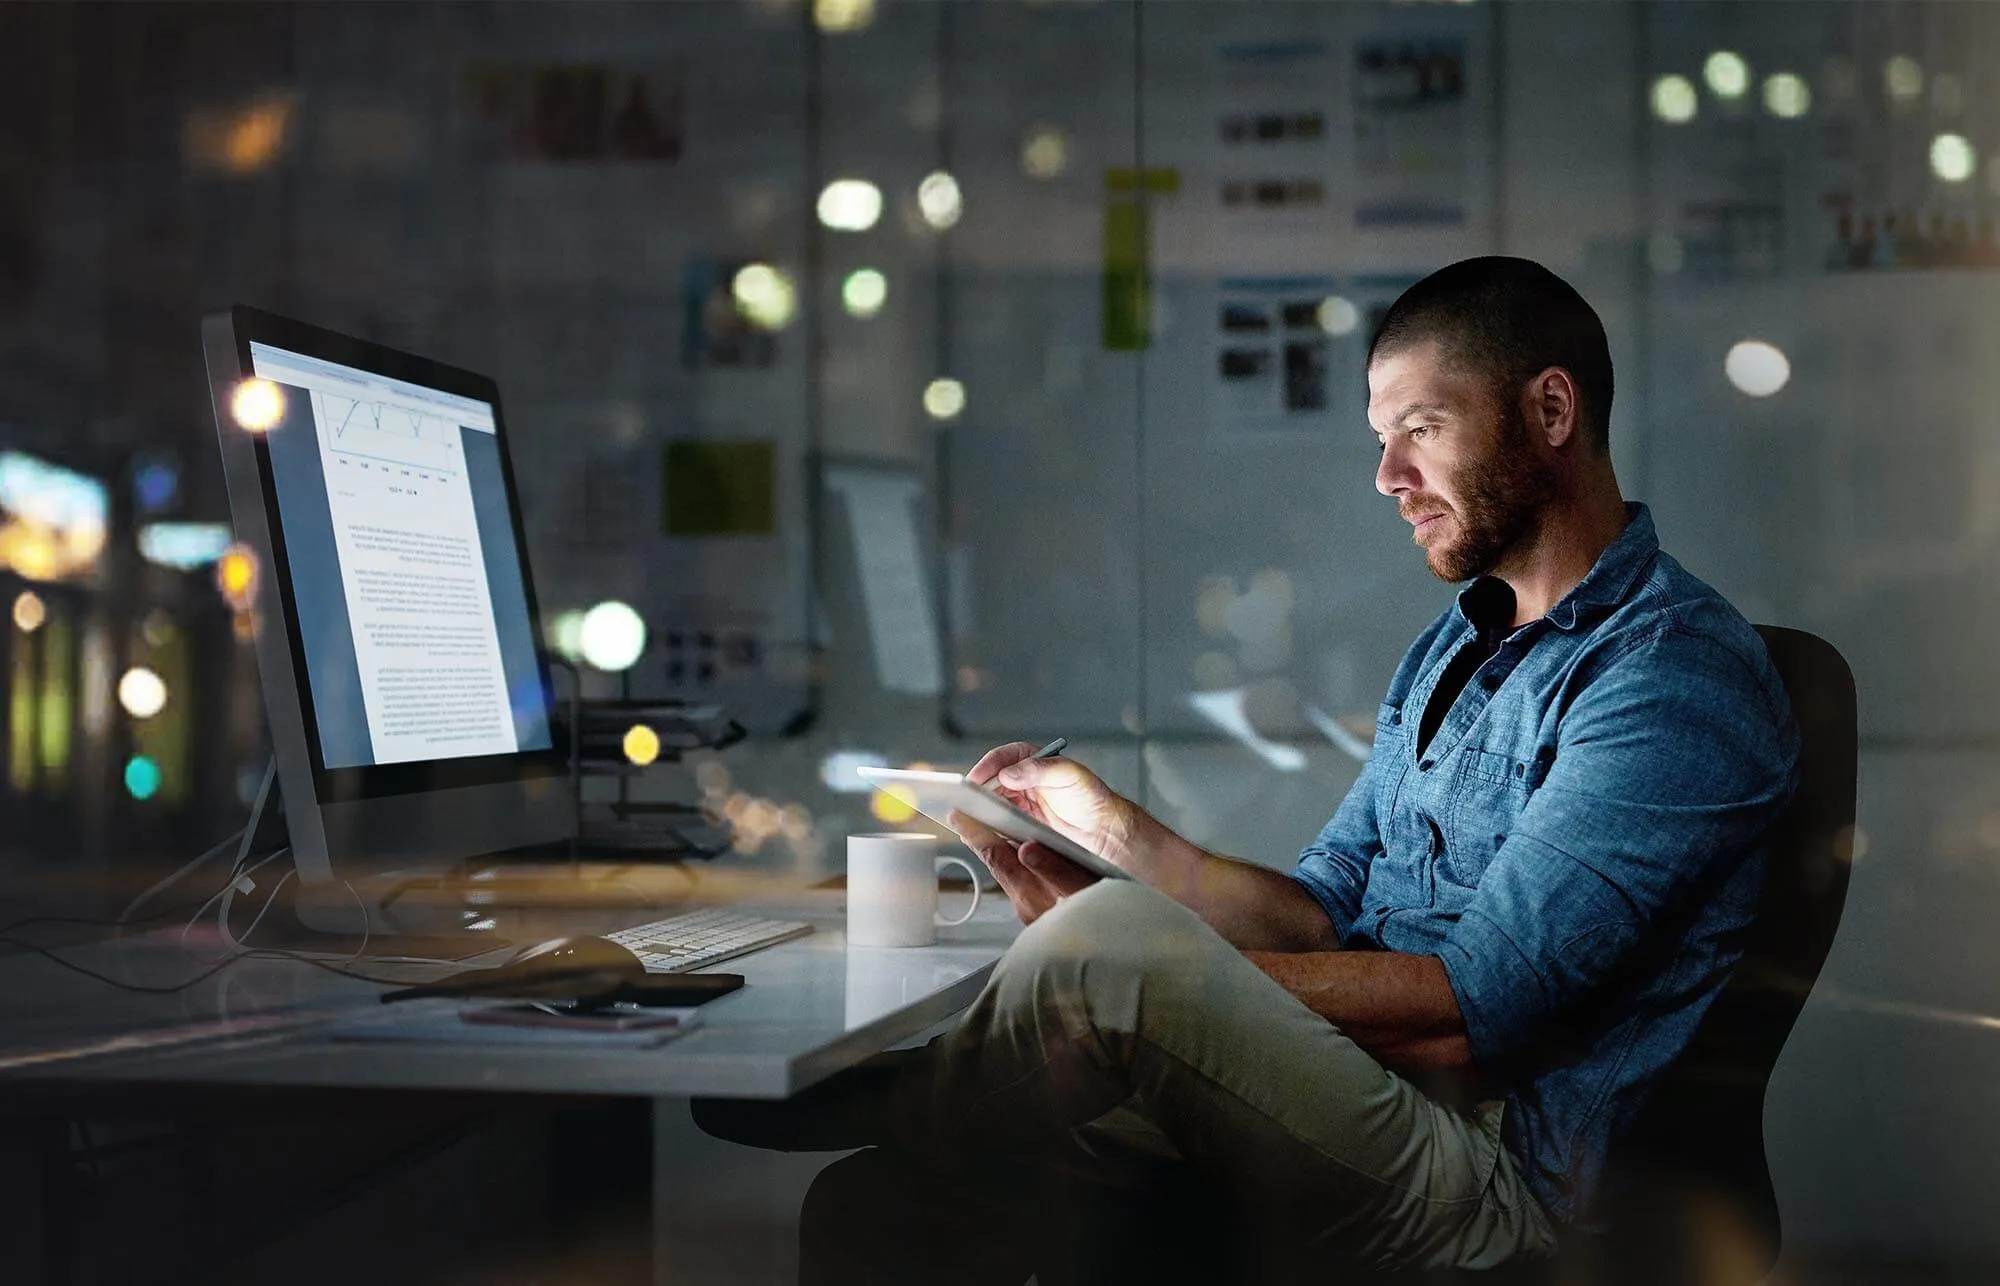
[1051, 750]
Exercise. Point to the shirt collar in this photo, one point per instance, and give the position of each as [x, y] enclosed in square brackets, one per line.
[1608, 584]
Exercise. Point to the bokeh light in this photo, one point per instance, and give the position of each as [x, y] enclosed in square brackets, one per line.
[1674, 99]
[236, 576]
[944, 398]
[850, 205]
[565, 634]
[142, 777]
[142, 692]
[29, 611]
[257, 405]
[864, 292]
[764, 295]
[840, 771]
[940, 200]
[641, 744]
[1787, 96]
[1952, 158]
[1728, 76]
[837, 16]
[1044, 153]
[612, 636]
[893, 809]
[1756, 368]
[1903, 79]
[1338, 315]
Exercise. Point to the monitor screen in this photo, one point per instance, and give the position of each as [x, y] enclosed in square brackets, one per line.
[409, 587]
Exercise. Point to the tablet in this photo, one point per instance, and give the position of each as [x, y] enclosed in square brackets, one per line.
[939, 794]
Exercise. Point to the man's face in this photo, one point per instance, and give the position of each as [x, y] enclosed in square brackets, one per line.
[1458, 459]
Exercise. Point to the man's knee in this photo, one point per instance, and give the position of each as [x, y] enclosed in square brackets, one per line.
[1096, 950]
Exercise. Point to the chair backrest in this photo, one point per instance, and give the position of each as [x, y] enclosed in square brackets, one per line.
[1701, 1138]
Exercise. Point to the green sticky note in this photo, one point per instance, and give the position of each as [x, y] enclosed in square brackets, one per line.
[1128, 281]
[720, 489]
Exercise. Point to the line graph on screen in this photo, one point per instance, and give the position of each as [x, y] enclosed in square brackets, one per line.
[386, 435]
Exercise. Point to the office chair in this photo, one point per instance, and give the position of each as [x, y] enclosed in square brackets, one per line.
[1700, 1208]
[1697, 1207]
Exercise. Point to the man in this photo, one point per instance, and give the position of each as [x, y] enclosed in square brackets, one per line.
[1417, 1048]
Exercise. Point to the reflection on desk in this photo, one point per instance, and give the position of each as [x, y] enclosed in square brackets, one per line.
[808, 1008]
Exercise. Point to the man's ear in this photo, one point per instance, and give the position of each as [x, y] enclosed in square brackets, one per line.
[1549, 403]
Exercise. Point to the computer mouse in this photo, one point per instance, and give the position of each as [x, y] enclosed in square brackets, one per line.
[579, 955]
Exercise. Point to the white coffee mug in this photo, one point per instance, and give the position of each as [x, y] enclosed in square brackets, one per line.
[892, 892]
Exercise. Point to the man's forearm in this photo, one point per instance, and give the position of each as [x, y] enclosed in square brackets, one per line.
[1400, 1008]
[1255, 908]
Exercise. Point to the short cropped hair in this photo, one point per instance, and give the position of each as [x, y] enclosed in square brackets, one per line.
[1511, 319]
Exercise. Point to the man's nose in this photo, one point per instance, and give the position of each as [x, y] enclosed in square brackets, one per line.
[1396, 474]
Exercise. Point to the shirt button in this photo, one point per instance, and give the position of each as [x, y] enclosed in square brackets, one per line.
[1425, 766]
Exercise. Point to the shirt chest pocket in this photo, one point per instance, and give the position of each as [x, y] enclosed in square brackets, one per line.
[1488, 797]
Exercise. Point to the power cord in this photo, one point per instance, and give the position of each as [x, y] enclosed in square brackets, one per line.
[242, 838]
[167, 989]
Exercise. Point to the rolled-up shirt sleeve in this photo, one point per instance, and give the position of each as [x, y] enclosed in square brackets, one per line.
[1334, 867]
[1670, 767]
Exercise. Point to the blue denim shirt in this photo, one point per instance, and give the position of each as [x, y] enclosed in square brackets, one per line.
[1581, 843]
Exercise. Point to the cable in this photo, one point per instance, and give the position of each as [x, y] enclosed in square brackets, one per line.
[89, 922]
[247, 836]
[226, 890]
[132, 908]
[142, 988]
[243, 838]
[243, 939]
[166, 989]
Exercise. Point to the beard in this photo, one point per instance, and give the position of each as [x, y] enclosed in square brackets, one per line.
[1501, 495]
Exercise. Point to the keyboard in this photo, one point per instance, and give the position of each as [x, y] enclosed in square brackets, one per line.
[683, 943]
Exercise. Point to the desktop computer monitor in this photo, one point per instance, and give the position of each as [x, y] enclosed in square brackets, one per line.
[403, 670]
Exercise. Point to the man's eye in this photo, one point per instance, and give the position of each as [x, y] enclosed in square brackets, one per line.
[1420, 430]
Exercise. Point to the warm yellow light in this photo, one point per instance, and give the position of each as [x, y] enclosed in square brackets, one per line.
[257, 405]
[33, 551]
[642, 744]
[142, 692]
[940, 200]
[237, 140]
[236, 576]
[835, 16]
[890, 808]
[256, 136]
[29, 611]
[864, 292]
[944, 398]
[764, 295]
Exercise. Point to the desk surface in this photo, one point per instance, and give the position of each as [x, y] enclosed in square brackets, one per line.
[808, 1008]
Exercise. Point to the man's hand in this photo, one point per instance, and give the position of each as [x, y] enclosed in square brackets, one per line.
[1061, 794]
[1033, 877]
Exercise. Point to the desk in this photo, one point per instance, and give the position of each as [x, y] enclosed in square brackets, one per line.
[808, 1008]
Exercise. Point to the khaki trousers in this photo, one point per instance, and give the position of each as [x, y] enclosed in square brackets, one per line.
[1120, 1035]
